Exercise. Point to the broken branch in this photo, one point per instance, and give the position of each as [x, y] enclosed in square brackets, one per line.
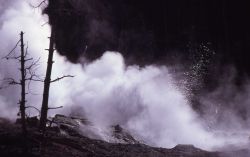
[53, 108]
[59, 78]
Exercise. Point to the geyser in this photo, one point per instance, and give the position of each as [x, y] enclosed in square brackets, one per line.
[146, 100]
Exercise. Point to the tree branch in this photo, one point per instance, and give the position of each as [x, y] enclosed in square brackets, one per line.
[34, 108]
[59, 78]
[11, 81]
[31, 79]
[53, 108]
[34, 63]
[8, 55]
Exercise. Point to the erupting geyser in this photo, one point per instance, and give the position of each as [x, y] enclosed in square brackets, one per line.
[149, 100]
[144, 100]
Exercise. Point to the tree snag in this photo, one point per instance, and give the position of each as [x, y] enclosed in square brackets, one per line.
[47, 81]
[23, 100]
[27, 74]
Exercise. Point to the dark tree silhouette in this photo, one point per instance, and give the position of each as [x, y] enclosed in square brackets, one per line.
[22, 102]
[47, 81]
[44, 109]
[27, 74]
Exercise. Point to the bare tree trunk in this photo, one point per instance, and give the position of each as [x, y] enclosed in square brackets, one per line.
[47, 81]
[23, 100]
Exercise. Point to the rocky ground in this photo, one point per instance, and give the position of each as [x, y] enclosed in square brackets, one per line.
[55, 144]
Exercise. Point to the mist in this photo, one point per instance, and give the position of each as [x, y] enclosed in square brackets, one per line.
[149, 101]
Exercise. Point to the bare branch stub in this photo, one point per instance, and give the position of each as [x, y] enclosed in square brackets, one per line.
[59, 78]
[53, 108]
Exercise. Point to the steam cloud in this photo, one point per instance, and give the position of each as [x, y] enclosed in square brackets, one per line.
[145, 100]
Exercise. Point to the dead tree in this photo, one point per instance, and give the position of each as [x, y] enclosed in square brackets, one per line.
[47, 81]
[45, 106]
[27, 74]
[23, 99]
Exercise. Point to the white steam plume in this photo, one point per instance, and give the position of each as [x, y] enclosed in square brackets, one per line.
[145, 100]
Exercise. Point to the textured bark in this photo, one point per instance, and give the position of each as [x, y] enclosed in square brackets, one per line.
[44, 109]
